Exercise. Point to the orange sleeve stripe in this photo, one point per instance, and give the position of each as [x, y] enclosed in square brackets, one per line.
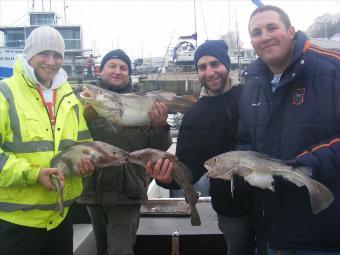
[324, 49]
[306, 46]
[324, 52]
[320, 146]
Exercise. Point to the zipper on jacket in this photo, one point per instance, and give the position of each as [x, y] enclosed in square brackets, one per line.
[48, 116]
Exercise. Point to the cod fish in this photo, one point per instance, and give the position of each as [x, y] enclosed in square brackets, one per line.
[258, 170]
[180, 173]
[101, 154]
[131, 109]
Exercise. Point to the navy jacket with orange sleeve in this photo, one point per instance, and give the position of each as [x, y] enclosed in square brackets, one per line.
[300, 120]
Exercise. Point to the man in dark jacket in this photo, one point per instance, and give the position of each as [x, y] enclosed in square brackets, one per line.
[114, 194]
[290, 109]
[209, 129]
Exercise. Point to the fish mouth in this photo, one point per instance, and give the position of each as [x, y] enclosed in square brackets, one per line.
[207, 165]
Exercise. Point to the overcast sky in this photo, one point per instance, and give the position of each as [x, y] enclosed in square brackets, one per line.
[145, 28]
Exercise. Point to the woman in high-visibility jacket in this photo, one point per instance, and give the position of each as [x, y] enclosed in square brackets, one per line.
[39, 116]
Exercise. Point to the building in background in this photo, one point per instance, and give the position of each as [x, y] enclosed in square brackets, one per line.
[13, 41]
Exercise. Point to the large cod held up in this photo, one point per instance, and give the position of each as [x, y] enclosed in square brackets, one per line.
[131, 109]
[258, 170]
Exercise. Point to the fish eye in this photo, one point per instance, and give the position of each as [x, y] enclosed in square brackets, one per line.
[101, 92]
[114, 152]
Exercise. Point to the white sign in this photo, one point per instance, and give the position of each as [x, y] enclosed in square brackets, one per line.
[7, 58]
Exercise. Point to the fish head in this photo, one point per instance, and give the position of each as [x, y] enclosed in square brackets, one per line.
[108, 155]
[106, 103]
[220, 167]
[141, 157]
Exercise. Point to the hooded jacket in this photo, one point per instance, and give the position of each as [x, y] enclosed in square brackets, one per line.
[300, 120]
[28, 143]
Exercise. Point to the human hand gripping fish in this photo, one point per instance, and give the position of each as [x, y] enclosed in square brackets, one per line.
[258, 170]
[81, 159]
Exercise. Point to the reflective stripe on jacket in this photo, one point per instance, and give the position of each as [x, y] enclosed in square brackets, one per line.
[28, 144]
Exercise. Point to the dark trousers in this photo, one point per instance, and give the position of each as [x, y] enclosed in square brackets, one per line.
[18, 240]
[238, 234]
[115, 228]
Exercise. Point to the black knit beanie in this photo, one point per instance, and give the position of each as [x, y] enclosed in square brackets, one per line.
[215, 48]
[118, 53]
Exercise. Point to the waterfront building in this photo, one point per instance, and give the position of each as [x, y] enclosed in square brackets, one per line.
[13, 38]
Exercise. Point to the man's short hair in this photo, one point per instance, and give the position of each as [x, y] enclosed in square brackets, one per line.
[282, 14]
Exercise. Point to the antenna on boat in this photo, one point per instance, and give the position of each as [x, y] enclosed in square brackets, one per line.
[238, 48]
[205, 26]
[33, 5]
[195, 23]
[166, 54]
[65, 6]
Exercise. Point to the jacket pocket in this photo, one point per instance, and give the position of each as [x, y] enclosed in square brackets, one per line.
[32, 128]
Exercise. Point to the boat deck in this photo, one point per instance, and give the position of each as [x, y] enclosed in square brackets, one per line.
[155, 234]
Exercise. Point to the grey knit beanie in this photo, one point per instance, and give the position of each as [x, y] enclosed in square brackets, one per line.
[42, 39]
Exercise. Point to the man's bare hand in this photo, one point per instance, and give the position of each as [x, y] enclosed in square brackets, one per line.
[85, 167]
[44, 177]
[158, 114]
[161, 171]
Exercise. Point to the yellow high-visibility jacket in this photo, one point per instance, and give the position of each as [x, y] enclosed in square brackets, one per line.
[27, 143]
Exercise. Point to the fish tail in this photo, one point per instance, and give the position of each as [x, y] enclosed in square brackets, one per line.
[320, 196]
[55, 180]
[194, 216]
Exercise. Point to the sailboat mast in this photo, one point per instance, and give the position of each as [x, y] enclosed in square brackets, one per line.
[195, 23]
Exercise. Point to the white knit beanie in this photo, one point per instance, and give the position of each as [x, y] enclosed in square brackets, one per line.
[42, 39]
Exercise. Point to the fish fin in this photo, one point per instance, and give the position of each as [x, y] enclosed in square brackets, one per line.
[303, 170]
[320, 196]
[265, 156]
[241, 170]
